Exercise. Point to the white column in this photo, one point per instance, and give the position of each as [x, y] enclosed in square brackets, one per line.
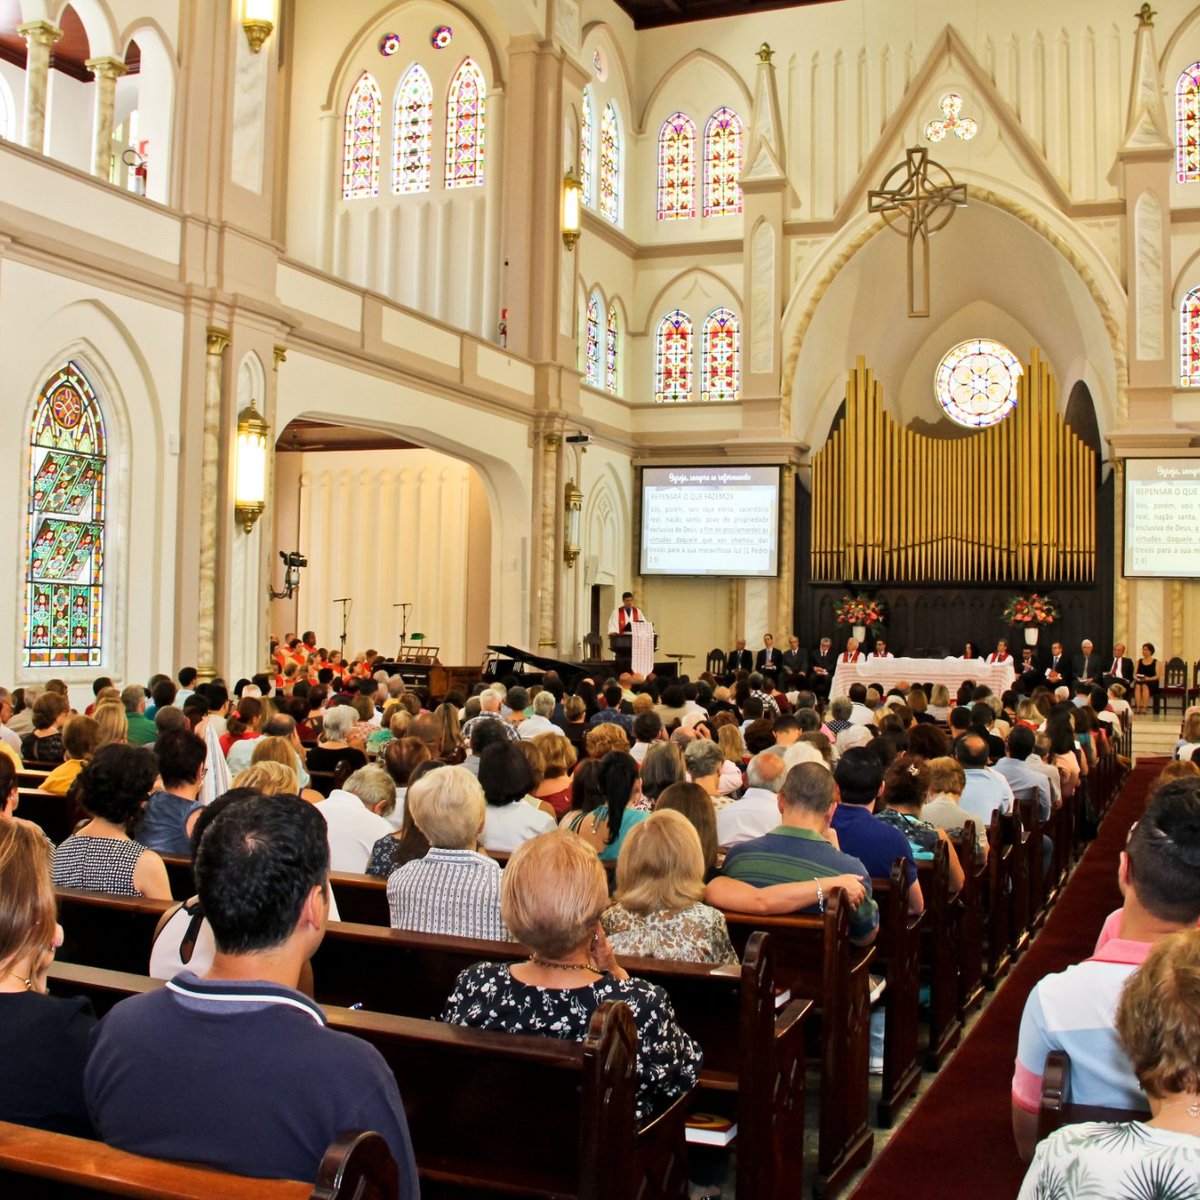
[547, 556]
[210, 475]
[106, 71]
[39, 37]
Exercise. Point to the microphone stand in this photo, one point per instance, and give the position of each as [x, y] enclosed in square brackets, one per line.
[404, 606]
[345, 602]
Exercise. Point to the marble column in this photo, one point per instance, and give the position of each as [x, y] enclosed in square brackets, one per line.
[785, 581]
[39, 37]
[548, 557]
[210, 479]
[106, 71]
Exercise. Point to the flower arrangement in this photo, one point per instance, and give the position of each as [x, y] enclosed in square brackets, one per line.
[859, 610]
[1030, 610]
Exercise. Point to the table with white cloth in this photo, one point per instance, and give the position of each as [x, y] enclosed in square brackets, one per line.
[950, 671]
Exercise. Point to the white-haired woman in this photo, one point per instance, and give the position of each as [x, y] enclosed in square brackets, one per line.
[334, 746]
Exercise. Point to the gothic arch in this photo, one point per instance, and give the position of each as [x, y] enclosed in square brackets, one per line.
[99, 25]
[690, 60]
[678, 284]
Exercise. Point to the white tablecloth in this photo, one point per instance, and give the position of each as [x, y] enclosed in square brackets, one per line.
[950, 671]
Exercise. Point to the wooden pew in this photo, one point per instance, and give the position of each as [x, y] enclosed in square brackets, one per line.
[56, 815]
[356, 1167]
[816, 959]
[32, 777]
[179, 875]
[1056, 1110]
[1034, 841]
[969, 912]
[1001, 857]
[113, 932]
[940, 954]
[463, 1147]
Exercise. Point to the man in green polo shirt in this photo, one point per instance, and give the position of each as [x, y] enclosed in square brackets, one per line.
[804, 847]
[141, 731]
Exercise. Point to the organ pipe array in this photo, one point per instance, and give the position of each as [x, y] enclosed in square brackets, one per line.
[1013, 502]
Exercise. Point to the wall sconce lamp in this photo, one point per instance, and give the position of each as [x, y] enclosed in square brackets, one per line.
[250, 467]
[572, 513]
[572, 201]
[257, 21]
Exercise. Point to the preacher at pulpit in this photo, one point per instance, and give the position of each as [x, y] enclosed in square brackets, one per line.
[624, 615]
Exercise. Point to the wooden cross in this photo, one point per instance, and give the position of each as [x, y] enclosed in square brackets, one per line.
[916, 206]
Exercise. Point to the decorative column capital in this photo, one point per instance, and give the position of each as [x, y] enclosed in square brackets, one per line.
[217, 340]
[552, 440]
[40, 33]
[106, 68]
[280, 355]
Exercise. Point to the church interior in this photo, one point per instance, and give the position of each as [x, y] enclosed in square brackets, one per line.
[422, 293]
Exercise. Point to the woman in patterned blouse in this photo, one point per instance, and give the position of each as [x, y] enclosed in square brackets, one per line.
[1158, 1024]
[551, 896]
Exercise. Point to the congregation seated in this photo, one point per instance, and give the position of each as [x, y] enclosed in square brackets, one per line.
[268, 1085]
[1159, 875]
[605, 826]
[356, 817]
[1157, 1026]
[553, 893]
[81, 737]
[662, 766]
[408, 842]
[941, 807]
[43, 745]
[401, 758]
[243, 724]
[558, 760]
[333, 747]
[170, 813]
[43, 1039]
[756, 812]
[692, 802]
[281, 749]
[453, 889]
[513, 815]
[985, 790]
[101, 856]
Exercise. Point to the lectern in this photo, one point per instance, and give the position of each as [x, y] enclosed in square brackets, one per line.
[634, 651]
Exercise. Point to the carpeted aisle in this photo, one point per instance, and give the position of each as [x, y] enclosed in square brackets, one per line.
[958, 1139]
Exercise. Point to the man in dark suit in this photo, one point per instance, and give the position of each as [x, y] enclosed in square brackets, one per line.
[795, 658]
[1029, 672]
[1085, 667]
[767, 661]
[1057, 672]
[1121, 670]
[821, 668]
[739, 658]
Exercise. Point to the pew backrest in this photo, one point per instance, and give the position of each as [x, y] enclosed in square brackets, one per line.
[1056, 1107]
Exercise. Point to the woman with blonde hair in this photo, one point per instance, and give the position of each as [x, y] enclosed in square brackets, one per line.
[109, 715]
[281, 750]
[268, 778]
[939, 702]
[451, 749]
[659, 909]
[43, 1039]
[605, 738]
[729, 738]
[941, 808]
[552, 895]
[558, 759]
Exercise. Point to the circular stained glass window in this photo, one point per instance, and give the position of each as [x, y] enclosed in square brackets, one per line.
[976, 383]
[441, 37]
[389, 44]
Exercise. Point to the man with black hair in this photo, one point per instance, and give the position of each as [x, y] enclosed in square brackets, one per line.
[1159, 876]
[1016, 769]
[960, 723]
[647, 729]
[483, 734]
[269, 1086]
[187, 684]
[859, 777]
[162, 695]
[169, 815]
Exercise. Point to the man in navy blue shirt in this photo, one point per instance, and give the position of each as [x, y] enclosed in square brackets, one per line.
[236, 1069]
[859, 778]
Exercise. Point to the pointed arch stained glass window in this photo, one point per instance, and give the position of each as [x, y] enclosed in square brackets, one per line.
[1189, 339]
[64, 564]
[466, 111]
[673, 359]
[720, 356]
[612, 334]
[360, 152]
[412, 132]
[1187, 125]
[722, 163]
[677, 168]
[591, 342]
[587, 149]
[610, 165]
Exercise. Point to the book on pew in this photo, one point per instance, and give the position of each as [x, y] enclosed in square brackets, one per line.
[734, 970]
[709, 1129]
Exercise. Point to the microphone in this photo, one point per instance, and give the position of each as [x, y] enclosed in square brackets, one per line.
[340, 600]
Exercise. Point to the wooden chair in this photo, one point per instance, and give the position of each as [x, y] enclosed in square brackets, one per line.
[1175, 683]
[358, 1166]
[593, 648]
[714, 664]
[1057, 1109]
[1194, 691]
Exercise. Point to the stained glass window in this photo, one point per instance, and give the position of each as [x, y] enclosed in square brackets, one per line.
[677, 168]
[412, 132]
[360, 156]
[722, 163]
[1189, 339]
[976, 383]
[720, 356]
[64, 578]
[673, 359]
[466, 109]
[1187, 122]
[612, 333]
[591, 342]
[587, 138]
[610, 165]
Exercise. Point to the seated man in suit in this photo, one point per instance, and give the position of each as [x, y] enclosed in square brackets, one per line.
[1057, 672]
[739, 658]
[1121, 670]
[1085, 667]
[822, 667]
[768, 659]
[269, 1085]
[795, 660]
[1029, 674]
[1074, 1009]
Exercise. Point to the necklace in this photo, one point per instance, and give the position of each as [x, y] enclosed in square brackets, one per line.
[27, 982]
[564, 966]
